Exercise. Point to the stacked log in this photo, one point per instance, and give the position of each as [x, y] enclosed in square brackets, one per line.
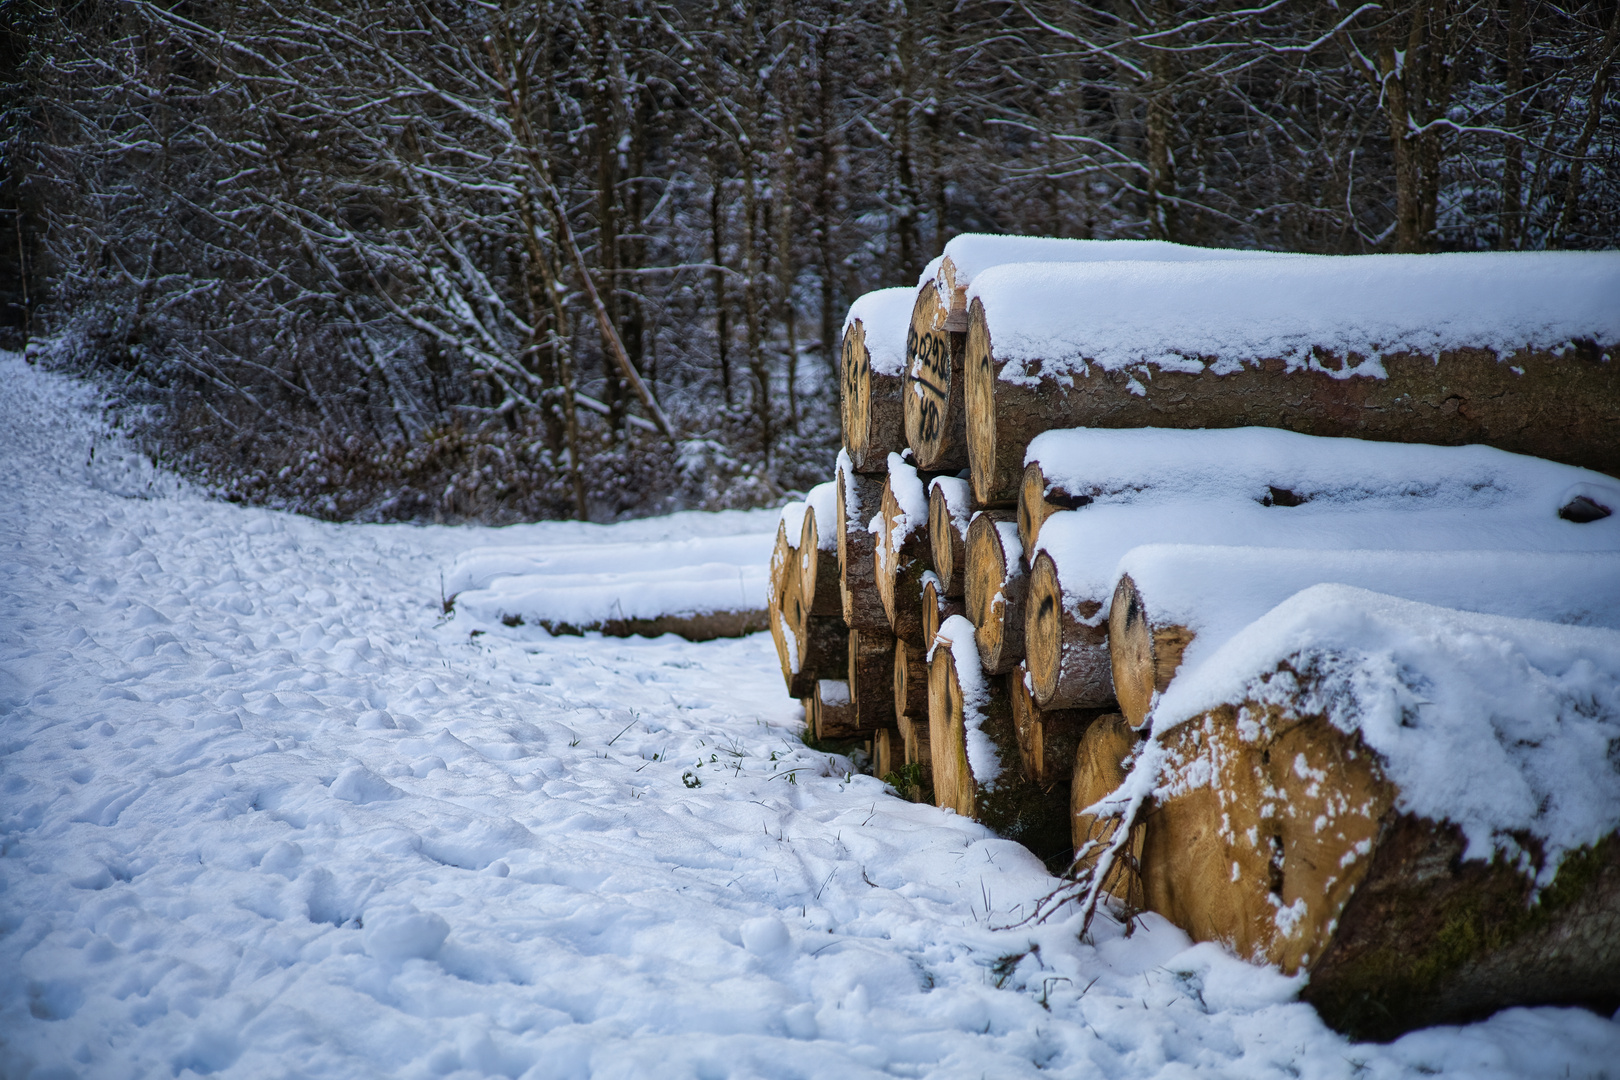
[948, 518]
[873, 366]
[995, 585]
[1197, 345]
[902, 550]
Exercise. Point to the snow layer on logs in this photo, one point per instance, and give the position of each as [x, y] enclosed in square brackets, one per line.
[1184, 316]
[908, 491]
[886, 316]
[1498, 725]
[1161, 464]
[974, 253]
[1088, 544]
[956, 634]
[1217, 591]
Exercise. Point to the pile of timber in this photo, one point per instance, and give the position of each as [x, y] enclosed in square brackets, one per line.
[1016, 559]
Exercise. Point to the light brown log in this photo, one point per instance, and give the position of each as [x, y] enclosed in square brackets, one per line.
[919, 756]
[1047, 738]
[936, 609]
[1099, 769]
[1564, 408]
[1068, 657]
[934, 419]
[818, 568]
[900, 564]
[1039, 499]
[1034, 815]
[910, 681]
[947, 532]
[1142, 657]
[823, 647]
[885, 759]
[784, 564]
[995, 586]
[870, 404]
[859, 499]
[832, 712]
[871, 678]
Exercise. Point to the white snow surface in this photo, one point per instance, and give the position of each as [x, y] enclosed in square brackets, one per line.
[956, 634]
[885, 316]
[1495, 724]
[264, 812]
[1226, 314]
[1137, 464]
[907, 488]
[823, 499]
[973, 253]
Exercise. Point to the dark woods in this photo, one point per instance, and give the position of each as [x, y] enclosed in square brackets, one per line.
[412, 259]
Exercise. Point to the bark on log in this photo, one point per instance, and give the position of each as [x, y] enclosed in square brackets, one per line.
[934, 418]
[872, 411]
[871, 678]
[859, 499]
[1033, 815]
[936, 609]
[910, 681]
[1047, 738]
[995, 588]
[818, 568]
[1565, 408]
[1099, 769]
[1067, 655]
[1039, 499]
[948, 517]
[902, 560]
[831, 712]
[1396, 929]
[919, 756]
[823, 646]
[1142, 657]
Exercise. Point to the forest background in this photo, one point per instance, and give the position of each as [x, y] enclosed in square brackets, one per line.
[453, 260]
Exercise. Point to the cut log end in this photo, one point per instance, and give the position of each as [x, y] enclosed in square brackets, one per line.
[979, 394]
[1099, 768]
[910, 681]
[856, 400]
[1143, 657]
[935, 610]
[946, 543]
[933, 416]
[1043, 628]
[994, 587]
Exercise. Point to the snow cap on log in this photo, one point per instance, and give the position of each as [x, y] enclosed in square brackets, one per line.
[823, 499]
[885, 316]
[908, 492]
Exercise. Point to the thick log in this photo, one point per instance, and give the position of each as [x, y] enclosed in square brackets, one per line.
[902, 551]
[818, 553]
[1283, 841]
[781, 582]
[1047, 738]
[1040, 498]
[910, 681]
[934, 418]
[1065, 643]
[936, 609]
[873, 372]
[1101, 761]
[919, 756]
[871, 678]
[823, 646]
[1560, 402]
[830, 711]
[948, 517]
[995, 588]
[859, 499]
[985, 782]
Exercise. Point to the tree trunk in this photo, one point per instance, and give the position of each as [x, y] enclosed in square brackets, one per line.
[901, 561]
[1066, 652]
[818, 569]
[932, 393]
[947, 531]
[995, 589]
[873, 415]
[936, 609]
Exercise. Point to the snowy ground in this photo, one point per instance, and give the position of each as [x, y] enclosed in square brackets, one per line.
[265, 812]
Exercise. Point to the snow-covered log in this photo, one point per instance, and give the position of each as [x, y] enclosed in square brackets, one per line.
[1513, 350]
[995, 587]
[1176, 604]
[910, 681]
[975, 748]
[1152, 486]
[818, 552]
[858, 499]
[901, 550]
[936, 608]
[873, 363]
[1416, 806]
[948, 517]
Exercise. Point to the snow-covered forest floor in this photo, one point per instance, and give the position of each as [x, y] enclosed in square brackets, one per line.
[265, 811]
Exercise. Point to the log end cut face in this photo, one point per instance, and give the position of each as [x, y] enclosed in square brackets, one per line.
[856, 399]
[979, 372]
[1043, 629]
[1130, 652]
[1265, 826]
[927, 385]
[947, 734]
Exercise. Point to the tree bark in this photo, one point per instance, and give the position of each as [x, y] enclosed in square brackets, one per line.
[871, 678]
[1047, 738]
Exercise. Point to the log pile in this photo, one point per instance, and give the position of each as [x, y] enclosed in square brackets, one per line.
[1012, 569]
